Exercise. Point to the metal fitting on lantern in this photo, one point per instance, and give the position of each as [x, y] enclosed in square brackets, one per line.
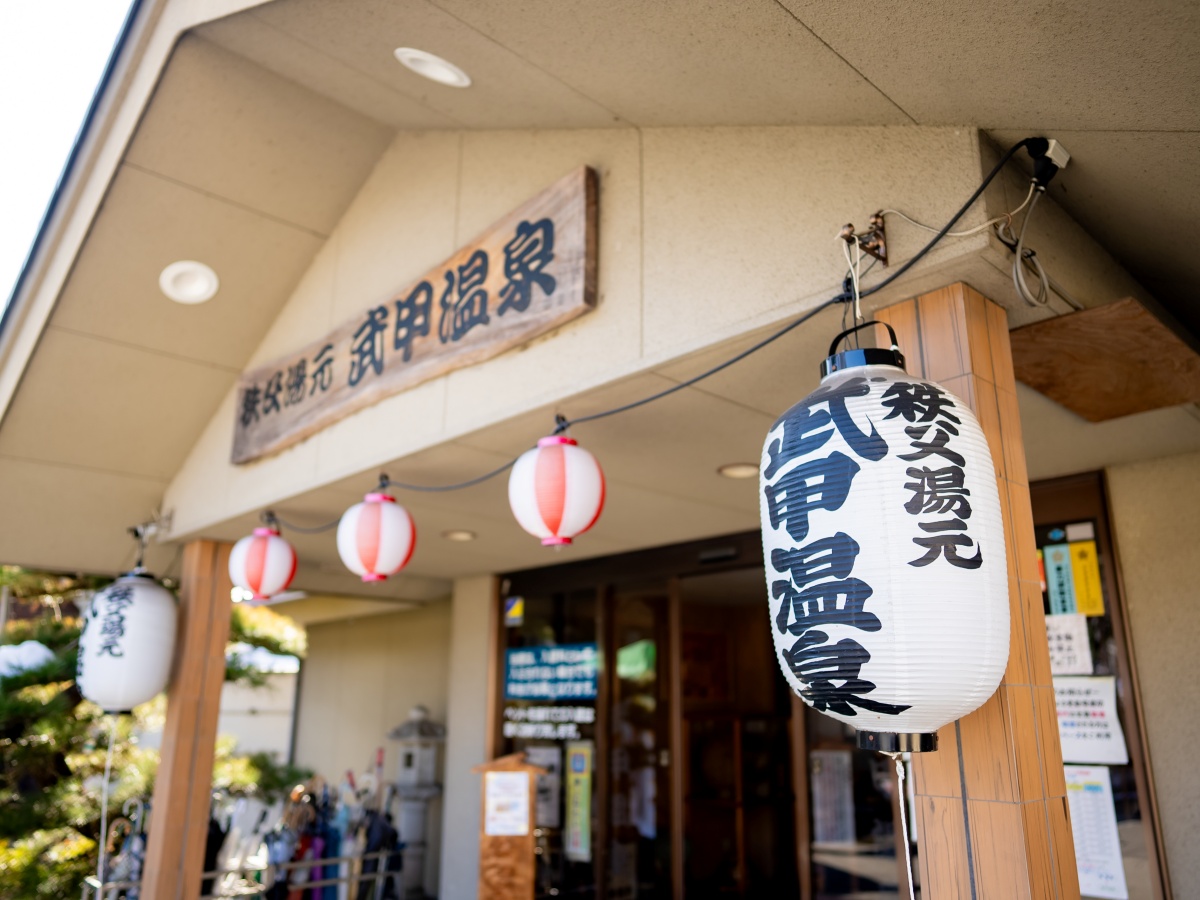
[866, 356]
[893, 742]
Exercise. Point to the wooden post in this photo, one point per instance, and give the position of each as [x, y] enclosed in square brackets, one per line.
[182, 788]
[992, 815]
[506, 839]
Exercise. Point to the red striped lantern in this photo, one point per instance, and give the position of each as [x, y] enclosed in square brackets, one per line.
[376, 538]
[263, 563]
[556, 490]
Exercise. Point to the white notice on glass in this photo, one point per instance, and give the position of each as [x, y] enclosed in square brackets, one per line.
[505, 803]
[1070, 650]
[1094, 826]
[1088, 726]
[549, 786]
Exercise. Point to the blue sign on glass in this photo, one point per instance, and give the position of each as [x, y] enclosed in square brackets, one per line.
[563, 672]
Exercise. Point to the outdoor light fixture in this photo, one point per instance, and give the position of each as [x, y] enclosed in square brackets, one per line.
[427, 65]
[263, 563]
[738, 470]
[376, 538]
[556, 490]
[188, 282]
[459, 535]
[884, 551]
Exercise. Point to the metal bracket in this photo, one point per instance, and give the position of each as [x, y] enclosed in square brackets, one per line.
[873, 241]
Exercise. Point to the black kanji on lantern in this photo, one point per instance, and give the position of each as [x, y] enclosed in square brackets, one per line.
[816, 484]
[938, 491]
[366, 348]
[464, 302]
[412, 318]
[525, 258]
[807, 427]
[831, 675]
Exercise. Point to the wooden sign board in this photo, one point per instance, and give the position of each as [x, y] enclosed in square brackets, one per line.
[528, 274]
[507, 862]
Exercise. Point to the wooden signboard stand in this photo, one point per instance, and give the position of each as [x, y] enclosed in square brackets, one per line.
[506, 840]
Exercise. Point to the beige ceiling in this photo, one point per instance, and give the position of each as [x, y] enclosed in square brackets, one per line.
[266, 123]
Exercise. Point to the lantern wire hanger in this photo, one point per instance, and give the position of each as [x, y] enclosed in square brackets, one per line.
[851, 295]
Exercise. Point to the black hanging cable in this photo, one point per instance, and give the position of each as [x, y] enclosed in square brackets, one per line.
[1037, 149]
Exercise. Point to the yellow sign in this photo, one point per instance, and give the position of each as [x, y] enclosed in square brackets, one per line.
[1085, 572]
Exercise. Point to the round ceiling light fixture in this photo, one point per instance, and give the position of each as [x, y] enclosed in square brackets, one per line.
[460, 535]
[427, 65]
[738, 470]
[189, 282]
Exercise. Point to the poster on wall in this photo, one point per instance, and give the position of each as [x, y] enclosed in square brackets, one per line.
[549, 786]
[1070, 647]
[577, 842]
[831, 773]
[1088, 726]
[1094, 828]
[505, 803]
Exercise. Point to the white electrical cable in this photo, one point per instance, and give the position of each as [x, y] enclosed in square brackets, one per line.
[1007, 217]
[108, 760]
[1042, 297]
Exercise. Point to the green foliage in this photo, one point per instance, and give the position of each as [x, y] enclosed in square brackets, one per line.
[53, 742]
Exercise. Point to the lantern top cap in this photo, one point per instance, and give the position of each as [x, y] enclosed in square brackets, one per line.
[865, 356]
[266, 531]
[556, 439]
[138, 572]
[379, 497]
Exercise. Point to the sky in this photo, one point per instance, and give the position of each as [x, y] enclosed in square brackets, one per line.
[52, 54]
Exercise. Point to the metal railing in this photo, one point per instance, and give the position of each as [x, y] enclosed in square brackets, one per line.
[241, 882]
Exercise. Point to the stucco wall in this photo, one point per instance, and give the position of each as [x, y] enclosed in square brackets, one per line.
[360, 679]
[1155, 510]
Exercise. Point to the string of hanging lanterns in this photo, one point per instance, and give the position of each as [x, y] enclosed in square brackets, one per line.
[556, 489]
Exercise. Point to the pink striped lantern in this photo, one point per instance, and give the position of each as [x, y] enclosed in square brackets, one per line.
[556, 490]
[263, 563]
[376, 538]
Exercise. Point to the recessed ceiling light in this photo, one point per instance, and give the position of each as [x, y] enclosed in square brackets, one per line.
[188, 281]
[433, 67]
[459, 534]
[738, 470]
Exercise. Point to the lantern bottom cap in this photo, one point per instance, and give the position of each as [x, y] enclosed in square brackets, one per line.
[555, 541]
[897, 742]
[374, 576]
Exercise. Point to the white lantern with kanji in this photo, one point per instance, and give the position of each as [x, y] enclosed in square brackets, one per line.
[127, 643]
[263, 563]
[884, 552]
[376, 538]
[556, 490]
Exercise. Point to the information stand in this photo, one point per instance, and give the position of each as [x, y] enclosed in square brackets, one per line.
[506, 841]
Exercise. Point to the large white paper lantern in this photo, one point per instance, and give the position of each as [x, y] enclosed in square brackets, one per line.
[127, 643]
[884, 551]
[556, 490]
[263, 563]
[376, 538]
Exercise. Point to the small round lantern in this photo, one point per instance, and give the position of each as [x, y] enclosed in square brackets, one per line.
[376, 538]
[127, 643]
[263, 563]
[884, 551]
[556, 490]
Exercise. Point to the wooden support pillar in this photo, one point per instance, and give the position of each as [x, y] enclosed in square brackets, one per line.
[182, 789]
[992, 816]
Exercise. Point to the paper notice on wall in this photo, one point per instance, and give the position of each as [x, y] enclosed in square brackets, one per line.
[505, 803]
[1059, 582]
[831, 773]
[1094, 828]
[549, 786]
[577, 843]
[1085, 576]
[1070, 649]
[1088, 726]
